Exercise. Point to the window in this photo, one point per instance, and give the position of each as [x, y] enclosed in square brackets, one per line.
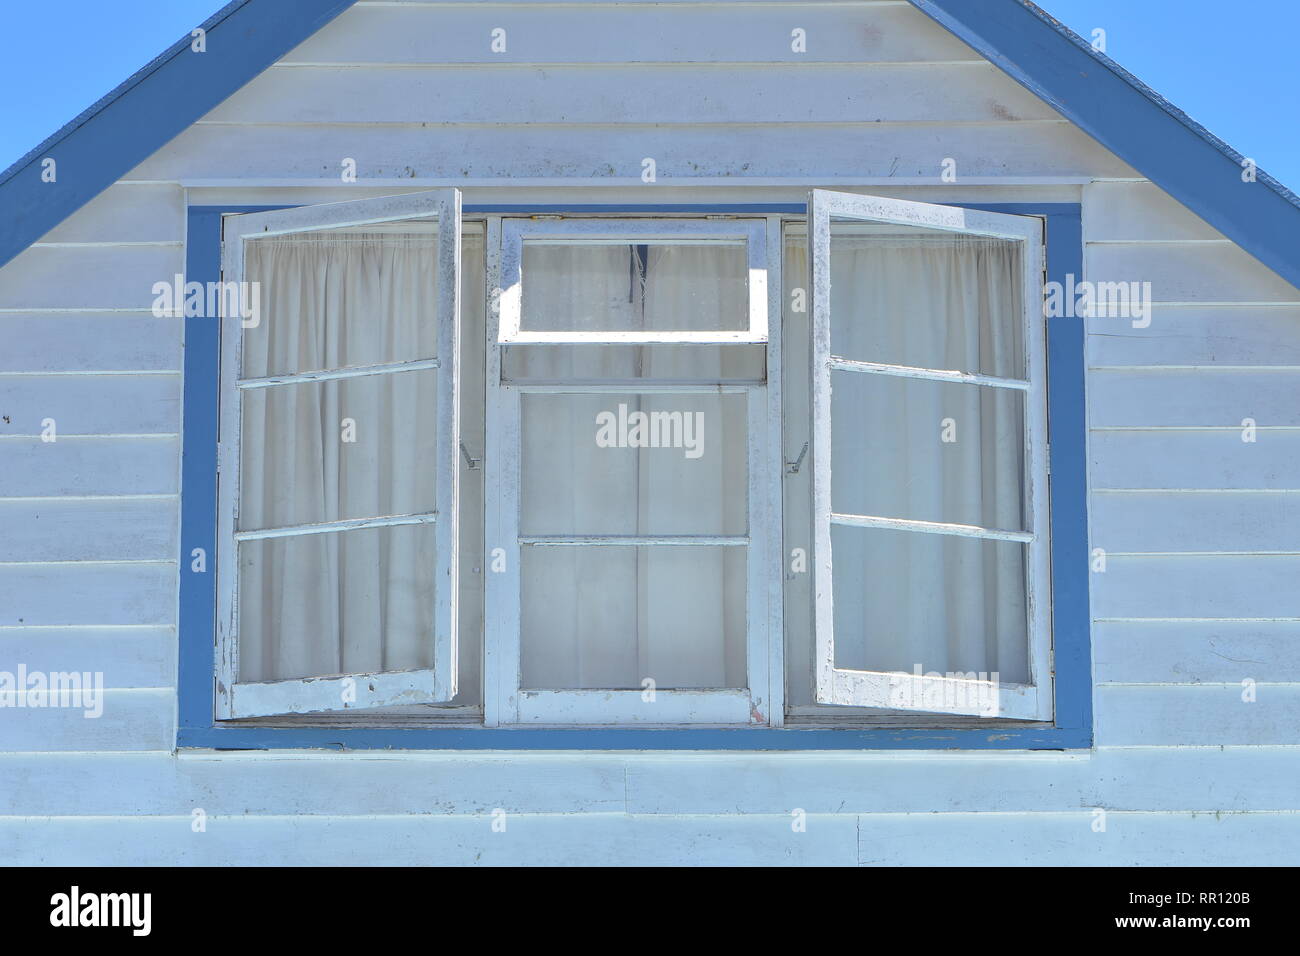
[744, 471]
[339, 445]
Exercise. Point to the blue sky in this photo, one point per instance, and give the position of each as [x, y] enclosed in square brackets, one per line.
[1231, 66]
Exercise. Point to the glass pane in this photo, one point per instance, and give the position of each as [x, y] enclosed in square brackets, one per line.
[927, 451]
[612, 617]
[940, 603]
[351, 602]
[638, 464]
[741, 362]
[342, 297]
[344, 448]
[927, 299]
[597, 287]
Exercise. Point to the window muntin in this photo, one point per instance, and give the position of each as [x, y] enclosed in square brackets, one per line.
[893, 420]
[339, 413]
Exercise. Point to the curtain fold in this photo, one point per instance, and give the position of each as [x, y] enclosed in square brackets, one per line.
[355, 601]
[610, 617]
[928, 451]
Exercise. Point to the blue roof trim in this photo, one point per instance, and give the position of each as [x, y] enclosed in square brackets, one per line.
[1133, 121]
[143, 114]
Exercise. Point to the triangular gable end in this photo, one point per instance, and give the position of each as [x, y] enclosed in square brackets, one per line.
[1087, 88]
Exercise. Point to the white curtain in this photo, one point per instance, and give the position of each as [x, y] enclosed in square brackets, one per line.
[929, 451]
[610, 617]
[355, 601]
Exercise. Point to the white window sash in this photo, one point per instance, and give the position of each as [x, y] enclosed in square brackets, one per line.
[964, 695]
[505, 701]
[515, 232]
[338, 692]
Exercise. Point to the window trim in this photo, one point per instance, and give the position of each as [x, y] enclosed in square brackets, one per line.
[1072, 729]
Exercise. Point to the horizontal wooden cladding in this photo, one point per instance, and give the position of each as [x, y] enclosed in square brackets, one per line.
[423, 840]
[1140, 212]
[1201, 335]
[88, 277]
[89, 466]
[1197, 586]
[132, 720]
[1195, 521]
[629, 33]
[88, 529]
[681, 153]
[1169, 715]
[762, 93]
[1075, 839]
[728, 784]
[126, 213]
[1191, 778]
[88, 593]
[1194, 398]
[127, 657]
[1181, 272]
[89, 342]
[1195, 652]
[90, 404]
[1194, 460]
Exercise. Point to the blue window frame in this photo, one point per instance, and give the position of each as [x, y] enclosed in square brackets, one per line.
[1071, 729]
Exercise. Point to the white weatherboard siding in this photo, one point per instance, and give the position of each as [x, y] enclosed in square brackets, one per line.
[1201, 530]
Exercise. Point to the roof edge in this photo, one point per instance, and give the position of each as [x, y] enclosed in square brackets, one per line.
[1134, 122]
[144, 113]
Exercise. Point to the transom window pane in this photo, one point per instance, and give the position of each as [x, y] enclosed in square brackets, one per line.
[927, 299]
[341, 298]
[592, 287]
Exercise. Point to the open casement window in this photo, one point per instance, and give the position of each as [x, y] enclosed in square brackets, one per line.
[339, 437]
[627, 467]
[929, 455]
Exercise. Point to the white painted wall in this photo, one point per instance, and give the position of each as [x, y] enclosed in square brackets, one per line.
[1202, 531]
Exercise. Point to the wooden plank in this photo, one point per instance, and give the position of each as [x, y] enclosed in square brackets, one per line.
[107, 277]
[96, 529]
[1194, 398]
[314, 784]
[94, 593]
[622, 93]
[1202, 335]
[1187, 778]
[131, 720]
[1198, 586]
[90, 404]
[646, 33]
[773, 784]
[1193, 652]
[1139, 212]
[126, 213]
[1167, 715]
[126, 656]
[395, 153]
[1223, 521]
[1069, 839]
[90, 466]
[90, 342]
[1193, 459]
[430, 839]
[1185, 273]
